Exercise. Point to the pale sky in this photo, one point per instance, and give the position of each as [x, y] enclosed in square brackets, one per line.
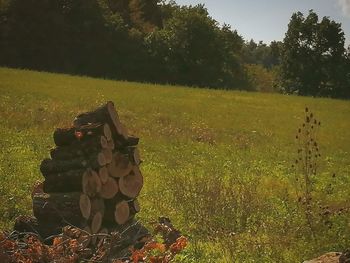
[268, 20]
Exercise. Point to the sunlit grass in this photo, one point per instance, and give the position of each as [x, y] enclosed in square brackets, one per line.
[218, 163]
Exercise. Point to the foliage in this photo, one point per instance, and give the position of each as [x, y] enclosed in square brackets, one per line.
[260, 78]
[313, 57]
[191, 49]
[69, 247]
[131, 39]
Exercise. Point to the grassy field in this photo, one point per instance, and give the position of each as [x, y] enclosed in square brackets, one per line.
[218, 163]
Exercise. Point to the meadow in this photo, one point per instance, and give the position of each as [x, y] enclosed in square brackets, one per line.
[217, 163]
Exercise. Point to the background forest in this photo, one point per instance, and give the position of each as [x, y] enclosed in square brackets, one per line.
[162, 42]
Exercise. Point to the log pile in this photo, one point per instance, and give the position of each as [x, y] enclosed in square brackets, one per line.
[92, 178]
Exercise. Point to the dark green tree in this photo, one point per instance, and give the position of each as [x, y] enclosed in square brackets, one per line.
[314, 57]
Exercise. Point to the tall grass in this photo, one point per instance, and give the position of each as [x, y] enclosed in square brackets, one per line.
[218, 163]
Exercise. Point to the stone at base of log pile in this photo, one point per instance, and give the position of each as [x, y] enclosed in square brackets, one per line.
[331, 257]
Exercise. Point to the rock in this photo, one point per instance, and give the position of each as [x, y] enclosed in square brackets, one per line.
[331, 257]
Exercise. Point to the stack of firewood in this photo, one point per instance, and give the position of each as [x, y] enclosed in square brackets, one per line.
[93, 178]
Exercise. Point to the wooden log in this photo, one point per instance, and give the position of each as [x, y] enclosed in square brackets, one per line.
[79, 148]
[85, 206]
[111, 145]
[58, 208]
[120, 165]
[103, 174]
[104, 114]
[94, 129]
[122, 212]
[131, 185]
[109, 189]
[52, 166]
[70, 181]
[91, 183]
[64, 136]
[108, 155]
[67, 136]
[97, 206]
[96, 222]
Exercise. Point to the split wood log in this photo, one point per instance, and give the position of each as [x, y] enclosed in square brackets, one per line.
[131, 185]
[85, 206]
[109, 189]
[120, 165]
[58, 208]
[51, 166]
[104, 114]
[64, 136]
[79, 148]
[111, 145]
[91, 183]
[70, 181]
[122, 212]
[67, 136]
[117, 211]
[96, 223]
[97, 206]
[108, 155]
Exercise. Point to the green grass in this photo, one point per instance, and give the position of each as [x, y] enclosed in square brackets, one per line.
[218, 163]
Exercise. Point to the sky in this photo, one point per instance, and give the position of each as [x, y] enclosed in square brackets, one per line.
[267, 20]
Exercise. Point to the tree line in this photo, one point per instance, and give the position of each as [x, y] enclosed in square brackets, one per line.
[162, 42]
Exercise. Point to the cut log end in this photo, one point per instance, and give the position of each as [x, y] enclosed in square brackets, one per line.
[85, 206]
[131, 184]
[96, 223]
[103, 174]
[122, 212]
[108, 155]
[109, 189]
[91, 183]
[107, 132]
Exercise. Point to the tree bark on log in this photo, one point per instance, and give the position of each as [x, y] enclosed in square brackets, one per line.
[70, 181]
[67, 136]
[79, 149]
[51, 166]
[58, 208]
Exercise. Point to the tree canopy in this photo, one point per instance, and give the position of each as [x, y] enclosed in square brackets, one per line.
[314, 60]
